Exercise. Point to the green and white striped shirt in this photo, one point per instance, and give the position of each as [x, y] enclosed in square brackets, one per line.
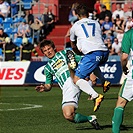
[58, 67]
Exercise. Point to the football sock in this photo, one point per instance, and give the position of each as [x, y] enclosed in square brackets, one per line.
[117, 119]
[85, 87]
[98, 73]
[79, 118]
[90, 83]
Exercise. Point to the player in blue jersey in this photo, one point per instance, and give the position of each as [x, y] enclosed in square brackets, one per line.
[58, 66]
[126, 91]
[85, 35]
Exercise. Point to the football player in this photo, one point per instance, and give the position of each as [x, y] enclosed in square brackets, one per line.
[58, 66]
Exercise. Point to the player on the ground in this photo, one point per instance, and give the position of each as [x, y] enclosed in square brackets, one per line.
[57, 66]
[85, 35]
[126, 91]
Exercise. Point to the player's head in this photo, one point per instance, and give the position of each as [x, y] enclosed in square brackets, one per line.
[82, 11]
[48, 48]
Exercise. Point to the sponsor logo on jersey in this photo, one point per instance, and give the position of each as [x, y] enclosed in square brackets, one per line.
[58, 64]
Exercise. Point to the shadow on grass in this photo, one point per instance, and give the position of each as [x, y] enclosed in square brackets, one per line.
[126, 128]
[123, 127]
[84, 128]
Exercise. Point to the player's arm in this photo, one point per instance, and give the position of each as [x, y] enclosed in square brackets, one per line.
[126, 45]
[48, 83]
[124, 60]
[43, 87]
[75, 49]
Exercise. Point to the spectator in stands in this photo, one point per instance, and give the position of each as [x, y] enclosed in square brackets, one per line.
[27, 49]
[128, 13]
[4, 9]
[108, 43]
[1, 55]
[47, 22]
[2, 37]
[116, 47]
[97, 7]
[52, 17]
[23, 29]
[119, 12]
[110, 36]
[128, 23]
[107, 27]
[95, 15]
[118, 28]
[104, 13]
[36, 27]
[2, 41]
[29, 17]
[72, 18]
[9, 49]
[14, 7]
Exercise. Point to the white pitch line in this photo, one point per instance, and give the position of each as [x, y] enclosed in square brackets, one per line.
[30, 106]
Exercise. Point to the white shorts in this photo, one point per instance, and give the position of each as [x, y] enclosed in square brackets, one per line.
[126, 90]
[71, 94]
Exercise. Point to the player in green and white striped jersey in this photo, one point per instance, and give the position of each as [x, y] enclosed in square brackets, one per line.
[126, 91]
[57, 66]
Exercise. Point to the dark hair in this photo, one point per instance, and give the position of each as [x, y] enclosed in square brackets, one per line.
[82, 10]
[46, 42]
[117, 16]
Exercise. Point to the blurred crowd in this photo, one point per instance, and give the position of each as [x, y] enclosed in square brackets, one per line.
[22, 27]
[35, 28]
[113, 24]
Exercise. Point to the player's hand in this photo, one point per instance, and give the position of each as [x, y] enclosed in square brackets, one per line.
[40, 88]
[125, 70]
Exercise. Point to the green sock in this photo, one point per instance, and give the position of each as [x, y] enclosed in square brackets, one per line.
[79, 118]
[117, 119]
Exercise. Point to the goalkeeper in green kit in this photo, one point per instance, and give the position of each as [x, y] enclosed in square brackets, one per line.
[58, 66]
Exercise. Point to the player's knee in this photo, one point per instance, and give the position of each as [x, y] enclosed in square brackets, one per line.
[69, 114]
[75, 79]
[121, 102]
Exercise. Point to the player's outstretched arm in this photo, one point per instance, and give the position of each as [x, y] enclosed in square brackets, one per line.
[124, 60]
[43, 87]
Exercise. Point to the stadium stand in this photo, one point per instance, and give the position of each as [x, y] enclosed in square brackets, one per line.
[7, 22]
[8, 31]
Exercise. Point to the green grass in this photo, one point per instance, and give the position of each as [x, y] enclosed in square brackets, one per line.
[49, 118]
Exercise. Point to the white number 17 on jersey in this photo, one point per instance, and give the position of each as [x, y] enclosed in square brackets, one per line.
[89, 30]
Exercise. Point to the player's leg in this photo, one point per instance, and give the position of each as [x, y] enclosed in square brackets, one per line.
[106, 84]
[88, 90]
[69, 114]
[118, 115]
[101, 57]
[71, 94]
[85, 67]
[125, 95]
[93, 79]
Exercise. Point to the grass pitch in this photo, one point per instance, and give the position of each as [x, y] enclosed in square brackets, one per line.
[23, 110]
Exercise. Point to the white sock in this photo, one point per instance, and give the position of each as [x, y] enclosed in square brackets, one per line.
[90, 83]
[85, 87]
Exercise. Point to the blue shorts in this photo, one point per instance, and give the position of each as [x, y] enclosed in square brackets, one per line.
[91, 61]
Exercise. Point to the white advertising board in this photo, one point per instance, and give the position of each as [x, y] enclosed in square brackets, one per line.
[13, 73]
